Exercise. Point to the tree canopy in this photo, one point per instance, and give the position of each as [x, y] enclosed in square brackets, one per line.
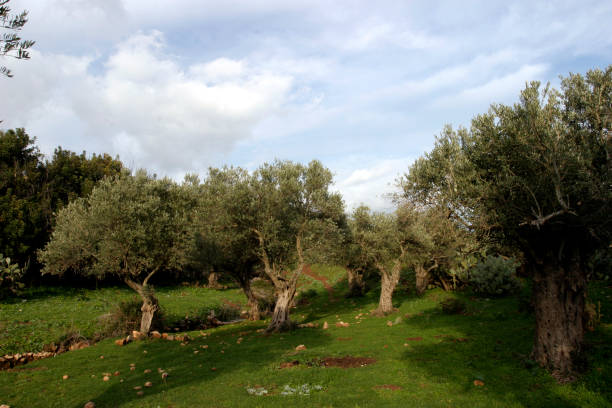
[11, 45]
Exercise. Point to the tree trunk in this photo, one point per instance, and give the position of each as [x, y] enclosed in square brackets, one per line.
[150, 304]
[356, 285]
[149, 307]
[559, 294]
[252, 301]
[280, 316]
[387, 287]
[422, 279]
[213, 280]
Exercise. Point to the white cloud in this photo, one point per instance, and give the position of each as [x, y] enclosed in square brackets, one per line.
[371, 185]
[149, 110]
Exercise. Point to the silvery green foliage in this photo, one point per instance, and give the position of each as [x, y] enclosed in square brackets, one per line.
[495, 276]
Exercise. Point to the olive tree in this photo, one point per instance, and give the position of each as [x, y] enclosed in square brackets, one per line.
[224, 241]
[382, 241]
[129, 226]
[293, 216]
[537, 176]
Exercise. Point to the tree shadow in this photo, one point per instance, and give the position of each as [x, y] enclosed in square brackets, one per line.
[255, 352]
[487, 352]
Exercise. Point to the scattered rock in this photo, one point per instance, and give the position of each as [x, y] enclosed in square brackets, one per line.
[389, 323]
[140, 393]
[342, 324]
[478, 383]
[120, 342]
[116, 373]
[89, 404]
[289, 364]
[300, 347]
[65, 377]
[136, 335]
[105, 378]
[155, 334]
[147, 371]
[164, 376]
[325, 326]
[312, 325]
[138, 387]
[101, 357]
[164, 336]
[148, 384]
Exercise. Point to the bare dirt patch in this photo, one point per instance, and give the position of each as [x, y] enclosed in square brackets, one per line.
[347, 362]
[308, 272]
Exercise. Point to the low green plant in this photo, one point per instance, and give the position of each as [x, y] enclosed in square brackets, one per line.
[495, 276]
[10, 277]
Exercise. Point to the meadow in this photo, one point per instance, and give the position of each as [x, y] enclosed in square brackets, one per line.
[420, 356]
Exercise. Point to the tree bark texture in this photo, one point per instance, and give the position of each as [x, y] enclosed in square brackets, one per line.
[150, 305]
[559, 295]
[422, 279]
[252, 301]
[213, 280]
[356, 285]
[280, 316]
[388, 283]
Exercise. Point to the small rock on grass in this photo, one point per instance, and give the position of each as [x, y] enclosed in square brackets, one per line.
[5, 406]
[300, 347]
[89, 404]
[65, 377]
[478, 383]
[148, 384]
[325, 326]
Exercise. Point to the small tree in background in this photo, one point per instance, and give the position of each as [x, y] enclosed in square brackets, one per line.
[223, 242]
[130, 226]
[382, 243]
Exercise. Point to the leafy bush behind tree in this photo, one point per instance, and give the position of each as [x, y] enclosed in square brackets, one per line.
[495, 276]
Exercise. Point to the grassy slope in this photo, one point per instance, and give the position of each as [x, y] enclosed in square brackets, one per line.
[433, 372]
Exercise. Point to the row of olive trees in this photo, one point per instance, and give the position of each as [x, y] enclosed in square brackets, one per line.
[278, 218]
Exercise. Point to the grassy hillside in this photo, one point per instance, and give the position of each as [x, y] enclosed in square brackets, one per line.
[425, 358]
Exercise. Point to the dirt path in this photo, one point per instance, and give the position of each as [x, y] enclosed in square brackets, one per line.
[308, 272]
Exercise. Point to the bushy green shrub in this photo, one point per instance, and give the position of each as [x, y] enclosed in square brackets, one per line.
[495, 276]
[10, 277]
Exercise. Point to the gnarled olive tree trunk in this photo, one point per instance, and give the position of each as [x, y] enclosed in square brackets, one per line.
[252, 301]
[559, 295]
[389, 280]
[285, 292]
[356, 284]
[150, 305]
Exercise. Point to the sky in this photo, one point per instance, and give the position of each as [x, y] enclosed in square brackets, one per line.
[177, 86]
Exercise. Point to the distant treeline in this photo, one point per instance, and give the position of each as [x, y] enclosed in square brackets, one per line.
[32, 189]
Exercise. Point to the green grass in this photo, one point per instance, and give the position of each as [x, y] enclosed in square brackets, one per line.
[491, 344]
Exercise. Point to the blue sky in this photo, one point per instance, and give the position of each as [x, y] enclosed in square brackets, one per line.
[177, 86]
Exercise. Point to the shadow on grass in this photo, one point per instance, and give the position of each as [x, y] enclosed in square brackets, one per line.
[487, 352]
[256, 352]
